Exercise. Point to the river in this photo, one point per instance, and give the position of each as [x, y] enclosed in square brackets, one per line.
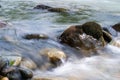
[24, 19]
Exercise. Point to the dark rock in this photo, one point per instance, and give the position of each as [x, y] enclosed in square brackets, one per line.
[107, 36]
[57, 10]
[116, 27]
[88, 36]
[41, 6]
[0, 6]
[93, 29]
[35, 36]
[106, 29]
[26, 73]
[12, 72]
[70, 34]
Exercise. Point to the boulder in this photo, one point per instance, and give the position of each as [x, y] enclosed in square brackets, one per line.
[35, 36]
[116, 27]
[87, 36]
[43, 7]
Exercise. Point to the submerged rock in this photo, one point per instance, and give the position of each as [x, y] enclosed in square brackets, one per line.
[116, 27]
[28, 63]
[42, 6]
[35, 36]
[88, 36]
[3, 24]
[57, 10]
[51, 9]
[56, 57]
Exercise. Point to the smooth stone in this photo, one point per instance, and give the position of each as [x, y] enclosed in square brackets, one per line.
[28, 63]
[116, 27]
[35, 36]
[3, 24]
[27, 74]
[107, 36]
[55, 56]
[59, 10]
[41, 6]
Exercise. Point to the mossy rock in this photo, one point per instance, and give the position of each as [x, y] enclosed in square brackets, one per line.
[116, 27]
[59, 10]
[93, 29]
[43, 7]
[88, 36]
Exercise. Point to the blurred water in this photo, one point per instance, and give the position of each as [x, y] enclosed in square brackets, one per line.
[25, 19]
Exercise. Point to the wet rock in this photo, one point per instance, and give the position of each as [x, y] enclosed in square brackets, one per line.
[107, 36]
[14, 58]
[3, 24]
[27, 74]
[55, 56]
[88, 36]
[116, 27]
[35, 36]
[28, 63]
[93, 29]
[41, 6]
[59, 10]
[4, 78]
[12, 72]
[116, 42]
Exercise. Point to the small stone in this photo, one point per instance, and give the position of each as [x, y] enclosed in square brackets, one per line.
[57, 10]
[116, 27]
[35, 36]
[41, 6]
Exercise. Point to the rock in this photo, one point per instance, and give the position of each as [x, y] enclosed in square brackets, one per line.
[55, 56]
[107, 36]
[4, 78]
[59, 10]
[12, 72]
[93, 29]
[116, 27]
[35, 36]
[0, 6]
[13, 57]
[41, 6]
[115, 43]
[28, 63]
[85, 36]
[3, 24]
[27, 74]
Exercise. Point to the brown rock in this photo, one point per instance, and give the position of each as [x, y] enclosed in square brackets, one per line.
[116, 27]
[57, 10]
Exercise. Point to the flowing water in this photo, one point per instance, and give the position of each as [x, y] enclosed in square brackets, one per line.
[23, 19]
